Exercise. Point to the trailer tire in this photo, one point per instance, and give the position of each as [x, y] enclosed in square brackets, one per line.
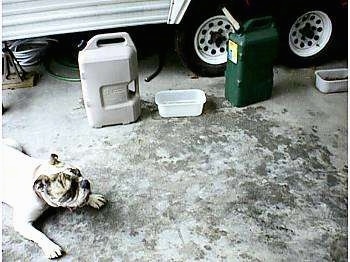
[201, 44]
[308, 36]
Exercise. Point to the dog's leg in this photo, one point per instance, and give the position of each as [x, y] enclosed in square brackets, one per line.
[96, 201]
[27, 230]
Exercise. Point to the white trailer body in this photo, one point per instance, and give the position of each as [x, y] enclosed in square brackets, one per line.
[34, 18]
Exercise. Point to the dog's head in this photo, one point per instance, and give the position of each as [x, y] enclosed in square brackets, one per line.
[62, 185]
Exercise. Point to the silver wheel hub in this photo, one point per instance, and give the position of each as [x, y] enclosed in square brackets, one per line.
[211, 38]
[310, 33]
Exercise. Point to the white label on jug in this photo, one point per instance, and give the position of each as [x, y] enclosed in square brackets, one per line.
[113, 94]
[232, 53]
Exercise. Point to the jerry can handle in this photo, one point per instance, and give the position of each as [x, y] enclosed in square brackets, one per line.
[121, 38]
[258, 23]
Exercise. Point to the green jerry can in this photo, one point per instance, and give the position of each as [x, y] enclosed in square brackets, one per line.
[250, 56]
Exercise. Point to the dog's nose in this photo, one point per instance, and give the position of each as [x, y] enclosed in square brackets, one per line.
[85, 184]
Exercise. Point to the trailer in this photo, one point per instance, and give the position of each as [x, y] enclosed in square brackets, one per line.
[307, 28]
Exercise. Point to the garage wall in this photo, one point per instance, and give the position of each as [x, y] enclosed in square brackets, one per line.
[32, 18]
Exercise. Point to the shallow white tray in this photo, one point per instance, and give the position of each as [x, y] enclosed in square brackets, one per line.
[332, 80]
[176, 103]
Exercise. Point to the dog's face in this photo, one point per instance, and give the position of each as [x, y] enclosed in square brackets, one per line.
[62, 185]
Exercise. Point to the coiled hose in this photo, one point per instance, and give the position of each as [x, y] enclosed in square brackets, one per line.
[29, 52]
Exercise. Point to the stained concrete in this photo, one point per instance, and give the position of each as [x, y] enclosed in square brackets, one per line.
[263, 183]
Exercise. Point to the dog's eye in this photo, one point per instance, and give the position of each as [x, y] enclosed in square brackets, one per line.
[78, 172]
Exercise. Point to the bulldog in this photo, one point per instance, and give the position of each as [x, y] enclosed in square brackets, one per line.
[30, 186]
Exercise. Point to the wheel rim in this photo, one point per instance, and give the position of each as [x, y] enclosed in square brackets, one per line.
[310, 33]
[211, 38]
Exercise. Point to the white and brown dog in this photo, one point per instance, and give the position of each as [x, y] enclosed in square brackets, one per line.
[32, 185]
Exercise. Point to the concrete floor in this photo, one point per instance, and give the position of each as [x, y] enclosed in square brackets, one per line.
[263, 183]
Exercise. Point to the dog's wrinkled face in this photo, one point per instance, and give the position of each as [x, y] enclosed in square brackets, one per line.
[62, 185]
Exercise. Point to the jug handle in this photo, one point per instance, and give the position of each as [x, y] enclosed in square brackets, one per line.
[258, 23]
[93, 42]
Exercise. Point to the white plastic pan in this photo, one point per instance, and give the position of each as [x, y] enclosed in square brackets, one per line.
[179, 103]
[332, 80]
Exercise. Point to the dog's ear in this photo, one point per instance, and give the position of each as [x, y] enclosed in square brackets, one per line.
[75, 171]
[41, 183]
[54, 159]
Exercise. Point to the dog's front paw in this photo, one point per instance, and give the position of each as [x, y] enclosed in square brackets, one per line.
[96, 201]
[51, 250]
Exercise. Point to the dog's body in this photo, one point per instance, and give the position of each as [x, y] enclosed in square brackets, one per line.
[31, 186]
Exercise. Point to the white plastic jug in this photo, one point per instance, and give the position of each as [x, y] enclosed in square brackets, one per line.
[109, 78]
